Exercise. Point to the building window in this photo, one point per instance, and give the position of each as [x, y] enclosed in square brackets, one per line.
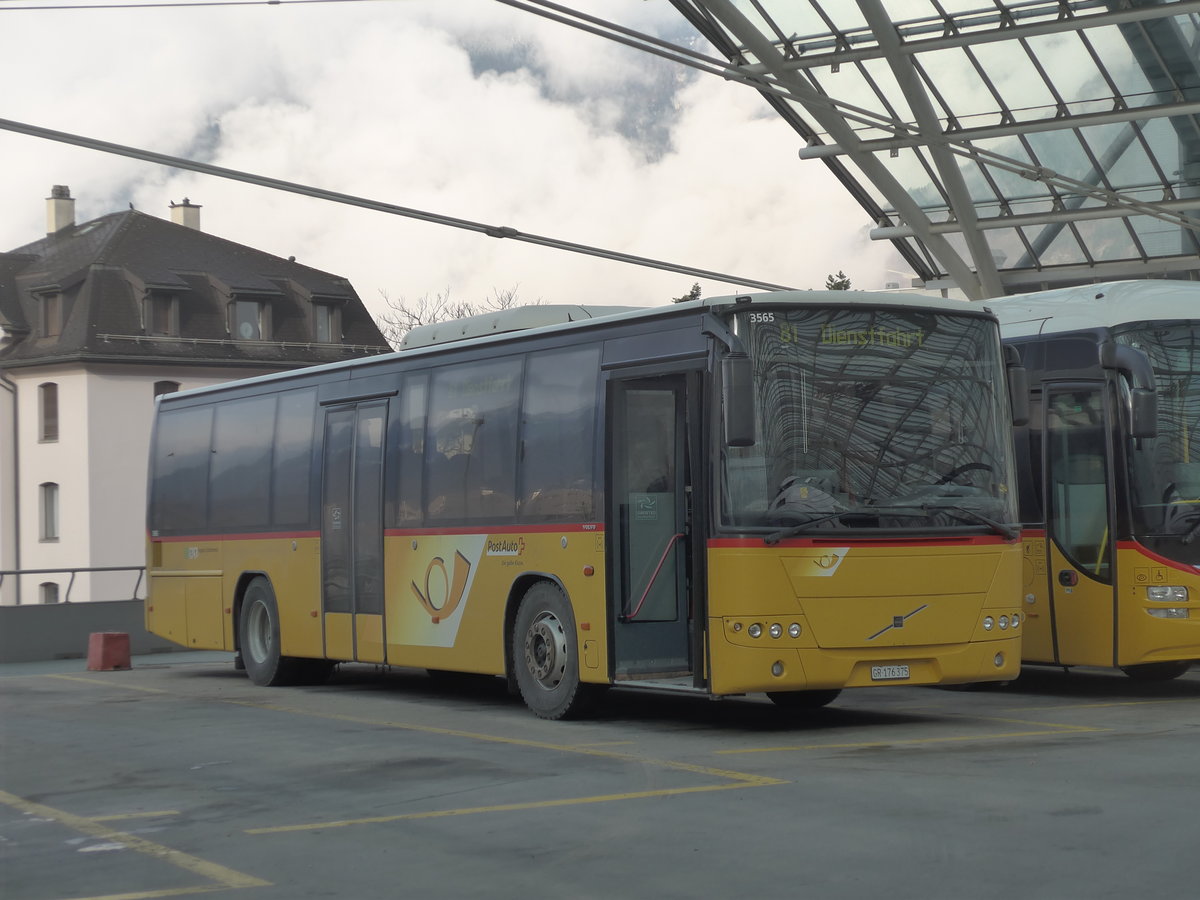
[165, 387]
[48, 592]
[48, 412]
[327, 326]
[162, 316]
[250, 321]
[49, 510]
[51, 311]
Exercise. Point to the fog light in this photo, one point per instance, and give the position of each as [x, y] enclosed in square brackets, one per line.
[776, 630]
[777, 668]
[794, 630]
[988, 623]
[754, 630]
[1004, 623]
[998, 659]
[1170, 612]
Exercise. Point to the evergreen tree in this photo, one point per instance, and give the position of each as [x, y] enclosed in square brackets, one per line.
[838, 282]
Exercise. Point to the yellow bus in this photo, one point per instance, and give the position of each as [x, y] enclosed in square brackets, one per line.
[1109, 479]
[789, 493]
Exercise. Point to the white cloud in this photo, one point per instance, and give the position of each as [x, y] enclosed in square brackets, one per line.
[468, 109]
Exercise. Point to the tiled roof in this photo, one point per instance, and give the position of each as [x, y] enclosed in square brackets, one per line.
[105, 268]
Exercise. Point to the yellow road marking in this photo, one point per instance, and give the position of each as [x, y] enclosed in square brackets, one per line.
[737, 780]
[136, 815]
[911, 742]
[102, 682]
[512, 807]
[222, 877]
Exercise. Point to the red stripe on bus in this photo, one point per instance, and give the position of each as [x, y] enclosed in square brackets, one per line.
[1151, 555]
[250, 536]
[590, 527]
[723, 543]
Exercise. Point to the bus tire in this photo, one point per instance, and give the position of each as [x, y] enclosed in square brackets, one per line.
[258, 637]
[1159, 671]
[802, 699]
[545, 655]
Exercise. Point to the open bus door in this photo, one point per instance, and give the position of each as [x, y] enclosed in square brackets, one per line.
[352, 531]
[649, 520]
[1079, 524]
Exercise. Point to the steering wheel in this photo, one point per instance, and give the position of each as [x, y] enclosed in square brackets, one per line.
[965, 467]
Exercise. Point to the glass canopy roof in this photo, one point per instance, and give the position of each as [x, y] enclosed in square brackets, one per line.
[1003, 146]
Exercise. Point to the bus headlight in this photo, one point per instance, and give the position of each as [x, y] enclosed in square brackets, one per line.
[754, 630]
[776, 630]
[1170, 612]
[988, 623]
[1004, 623]
[1169, 593]
[794, 630]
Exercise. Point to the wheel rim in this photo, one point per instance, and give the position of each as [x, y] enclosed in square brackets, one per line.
[546, 650]
[258, 631]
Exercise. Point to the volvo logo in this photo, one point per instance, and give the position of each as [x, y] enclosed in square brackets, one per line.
[898, 622]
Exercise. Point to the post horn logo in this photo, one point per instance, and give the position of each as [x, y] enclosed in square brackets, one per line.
[452, 590]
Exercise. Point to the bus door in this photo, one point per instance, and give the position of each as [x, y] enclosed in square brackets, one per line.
[649, 521]
[352, 531]
[1079, 525]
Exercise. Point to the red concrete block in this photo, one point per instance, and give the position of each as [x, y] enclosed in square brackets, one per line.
[108, 650]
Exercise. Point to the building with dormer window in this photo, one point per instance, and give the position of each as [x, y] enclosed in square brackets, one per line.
[99, 318]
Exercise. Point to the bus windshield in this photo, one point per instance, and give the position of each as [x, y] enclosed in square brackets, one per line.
[869, 418]
[1165, 470]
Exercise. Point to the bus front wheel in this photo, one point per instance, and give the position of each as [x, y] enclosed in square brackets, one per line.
[1160, 671]
[545, 655]
[258, 633]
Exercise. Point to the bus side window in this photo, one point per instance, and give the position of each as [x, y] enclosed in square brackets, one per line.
[558, 416]
[410, 449]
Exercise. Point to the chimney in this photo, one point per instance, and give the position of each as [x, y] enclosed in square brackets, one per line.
[186, 214]
[60, 209]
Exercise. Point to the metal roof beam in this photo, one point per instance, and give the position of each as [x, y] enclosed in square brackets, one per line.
[976, 38]
[1053, 217]
[928, 124]
[833, 123]
[988, 132]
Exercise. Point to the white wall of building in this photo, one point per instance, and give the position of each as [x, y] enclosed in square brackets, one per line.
[99, 463]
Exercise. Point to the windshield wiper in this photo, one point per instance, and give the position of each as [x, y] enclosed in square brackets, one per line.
[1011, 532]
[802, 527]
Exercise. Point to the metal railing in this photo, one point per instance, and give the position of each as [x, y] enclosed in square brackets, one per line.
[141, 570]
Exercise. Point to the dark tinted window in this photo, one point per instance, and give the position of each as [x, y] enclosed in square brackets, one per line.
[291, 474]
[410, 449]
[558, 434]
[181, 459]
[241, 464]
[471, 449]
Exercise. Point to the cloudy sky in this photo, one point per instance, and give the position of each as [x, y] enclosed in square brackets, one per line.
[469, 109]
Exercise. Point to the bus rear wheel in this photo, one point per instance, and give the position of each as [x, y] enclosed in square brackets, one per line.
[1160, 671]
[545, 655]
[258, 638]
[802, 699]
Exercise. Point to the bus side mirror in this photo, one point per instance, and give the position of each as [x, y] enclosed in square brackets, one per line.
[1018, 386]
[737, 399]
[1143, 398]
[1143, 413]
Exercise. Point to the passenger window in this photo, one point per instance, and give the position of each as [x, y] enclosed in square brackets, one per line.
[558, 435]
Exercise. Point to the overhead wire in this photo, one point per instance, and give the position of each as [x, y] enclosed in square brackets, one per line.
[496, 231]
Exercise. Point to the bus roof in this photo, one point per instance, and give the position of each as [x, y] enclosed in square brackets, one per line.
[1096, 306]
[526, 321]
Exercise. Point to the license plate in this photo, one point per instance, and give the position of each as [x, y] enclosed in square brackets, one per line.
[889, 673]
